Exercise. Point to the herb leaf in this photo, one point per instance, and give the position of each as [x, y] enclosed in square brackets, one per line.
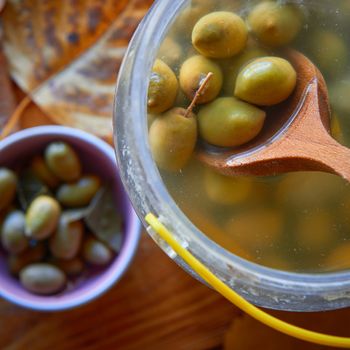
[104, 218]
[29, 187]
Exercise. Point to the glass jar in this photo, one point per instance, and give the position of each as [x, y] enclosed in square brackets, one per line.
[262, 286]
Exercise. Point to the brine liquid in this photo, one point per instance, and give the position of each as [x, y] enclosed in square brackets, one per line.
[296, 221]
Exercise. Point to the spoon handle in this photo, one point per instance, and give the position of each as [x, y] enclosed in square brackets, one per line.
[301, 155]
[308, 144]
[328, 156]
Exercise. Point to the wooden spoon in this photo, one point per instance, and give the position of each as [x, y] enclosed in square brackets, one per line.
[295, 138]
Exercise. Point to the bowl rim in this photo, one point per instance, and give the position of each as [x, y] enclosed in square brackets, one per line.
[118, 267]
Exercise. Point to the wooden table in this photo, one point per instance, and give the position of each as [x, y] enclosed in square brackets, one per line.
[155, 306]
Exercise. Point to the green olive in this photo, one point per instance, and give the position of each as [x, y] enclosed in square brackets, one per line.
[8, 184]
[42, 217]
[224, 5]
[256, 229]
[66, 241]
[220, 34]
[162, 88]
[315, 231]
[338, 259]
[339, 93]
[42, 278]
[336, 129]
[192, 73]
[150, 119]
[63, 161]
[266, 81]
[32, 255]
[80, 193]
[96, 252]
[170, 52]
[229, 122]
[190, 15]
[330, 52]
[182, 100]
[13, 238]
[297, 190]
[232, 66]
[344, 10]
[41, 170]
[172, 139]
[275, 24]
[71, 268]
[204, 4]
[227, 190]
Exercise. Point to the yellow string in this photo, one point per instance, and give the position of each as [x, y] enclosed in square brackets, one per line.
[236, 299]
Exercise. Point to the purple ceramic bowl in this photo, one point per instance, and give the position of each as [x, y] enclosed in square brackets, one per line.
[99, 158]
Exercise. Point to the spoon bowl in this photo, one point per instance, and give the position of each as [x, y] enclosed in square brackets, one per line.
[296, 136]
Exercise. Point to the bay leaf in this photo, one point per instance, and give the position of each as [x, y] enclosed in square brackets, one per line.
[66, 55]
[29, 187]
[104, 218]
[72, 215]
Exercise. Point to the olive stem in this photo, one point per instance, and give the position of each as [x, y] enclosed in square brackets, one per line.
[198, 94]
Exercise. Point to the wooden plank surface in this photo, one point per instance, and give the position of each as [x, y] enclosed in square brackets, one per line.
[155, 306]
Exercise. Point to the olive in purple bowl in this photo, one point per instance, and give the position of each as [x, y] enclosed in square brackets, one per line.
[97, 157]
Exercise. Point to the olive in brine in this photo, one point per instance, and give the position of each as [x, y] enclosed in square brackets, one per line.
[266, 81]
[315, 230]
[63, 161]
[8, 184]
[190, 15]
[172, 139]
[227, 190]
[182, 100]
[329, 50]
[232, 66]
[80, 193]
[42, 217]
[275, 24]
[162, 89]
[297, 190]
[66, 241]
[170, 51]
[42, 172]
[339, 93]
[150, 119]
[338, 258]
[220, 34]
[13, 238]
[257, 229]
[336, 130]
[96, 252]
[229, 122]
[192, 74]
[42, 278]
